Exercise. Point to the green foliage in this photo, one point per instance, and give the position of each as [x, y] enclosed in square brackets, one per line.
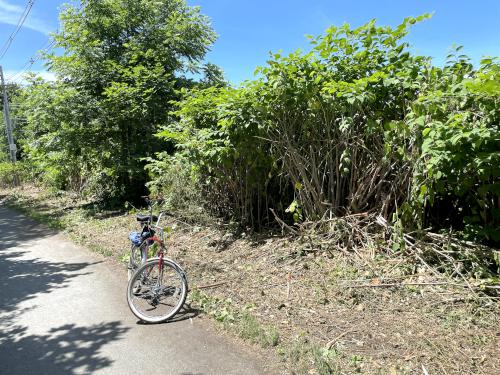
[459, 160]
[310, 130]
[219, 133]
[8, 171]
[121, 66]
[356, 124]
[59, 137]
[175, 178]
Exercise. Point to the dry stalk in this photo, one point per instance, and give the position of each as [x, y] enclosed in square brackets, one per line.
[400, 285]
[364, 233]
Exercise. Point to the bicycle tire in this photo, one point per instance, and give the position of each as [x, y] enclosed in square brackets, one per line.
[134, 260]
[149, 287]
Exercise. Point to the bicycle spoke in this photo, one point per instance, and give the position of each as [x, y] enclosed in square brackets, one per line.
[155, 294]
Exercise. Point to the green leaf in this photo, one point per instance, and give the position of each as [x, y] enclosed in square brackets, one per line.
[423, 190]
[292, 207]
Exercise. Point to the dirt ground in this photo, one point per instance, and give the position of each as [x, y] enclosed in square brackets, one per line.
[355, 314]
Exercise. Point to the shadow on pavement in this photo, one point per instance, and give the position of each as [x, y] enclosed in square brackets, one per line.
[16, 229]
[23, 278]
[185, 313]
[66, 349]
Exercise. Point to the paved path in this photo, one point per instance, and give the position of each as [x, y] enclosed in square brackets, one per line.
[63, 311]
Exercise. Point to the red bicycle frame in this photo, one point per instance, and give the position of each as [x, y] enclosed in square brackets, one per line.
[160, 252]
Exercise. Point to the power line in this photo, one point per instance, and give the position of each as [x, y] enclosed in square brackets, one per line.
[20, 23]
[32, 60]
[25, 67]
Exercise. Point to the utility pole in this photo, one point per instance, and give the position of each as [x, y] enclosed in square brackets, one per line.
[8, 125]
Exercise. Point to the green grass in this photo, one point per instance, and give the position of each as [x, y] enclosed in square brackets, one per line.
[306, 357]
[249, 328]
[31, 208]
[241, 322]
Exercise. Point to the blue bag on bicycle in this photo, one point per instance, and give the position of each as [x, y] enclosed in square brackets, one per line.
[135, 237]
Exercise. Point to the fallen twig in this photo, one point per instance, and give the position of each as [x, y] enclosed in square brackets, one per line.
[282, 223]
[288, 278]
[211, 285]
[330, 343]
[399, 285]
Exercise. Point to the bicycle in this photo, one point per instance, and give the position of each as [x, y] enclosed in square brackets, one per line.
[139, 240]
[157, 287]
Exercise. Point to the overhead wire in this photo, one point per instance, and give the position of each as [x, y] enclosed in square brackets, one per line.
[19, 24]
[31, 61]
[14, 78]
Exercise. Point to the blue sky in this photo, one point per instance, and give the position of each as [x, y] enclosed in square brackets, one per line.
[248, 30]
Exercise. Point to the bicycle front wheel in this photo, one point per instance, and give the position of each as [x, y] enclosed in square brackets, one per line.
[157, 291]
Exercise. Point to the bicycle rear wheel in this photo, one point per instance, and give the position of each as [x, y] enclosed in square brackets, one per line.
[156, 292]
[136, 258]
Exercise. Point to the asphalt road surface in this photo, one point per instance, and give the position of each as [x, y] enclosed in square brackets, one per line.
[63, 311]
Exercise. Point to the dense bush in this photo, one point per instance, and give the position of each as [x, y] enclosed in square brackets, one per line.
[219, 133]
[457, 175]
[356, 124]
[174, 178]
[10, 172]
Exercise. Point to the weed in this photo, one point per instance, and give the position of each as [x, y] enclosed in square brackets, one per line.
[480, 340]
[343, 272]
[243, 323]
[250, 328]
[308, 358]
[356, 361]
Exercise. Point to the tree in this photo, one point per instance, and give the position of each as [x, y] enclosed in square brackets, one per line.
[123, 64]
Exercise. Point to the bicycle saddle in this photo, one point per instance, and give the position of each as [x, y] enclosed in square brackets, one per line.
[142, 218]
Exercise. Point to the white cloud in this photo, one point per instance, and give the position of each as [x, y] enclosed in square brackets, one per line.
[10, 14]
[21, 78]
[48, 76]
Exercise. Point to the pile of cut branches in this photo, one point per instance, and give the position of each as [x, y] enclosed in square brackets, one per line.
[420, 258]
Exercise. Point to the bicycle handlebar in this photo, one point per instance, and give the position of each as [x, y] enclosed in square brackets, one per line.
[152, 201]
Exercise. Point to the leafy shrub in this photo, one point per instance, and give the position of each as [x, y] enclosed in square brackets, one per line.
[356, 124]
[9, 171]
[174, 178]
[310, 131]
[458, 170]
[219, 133]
